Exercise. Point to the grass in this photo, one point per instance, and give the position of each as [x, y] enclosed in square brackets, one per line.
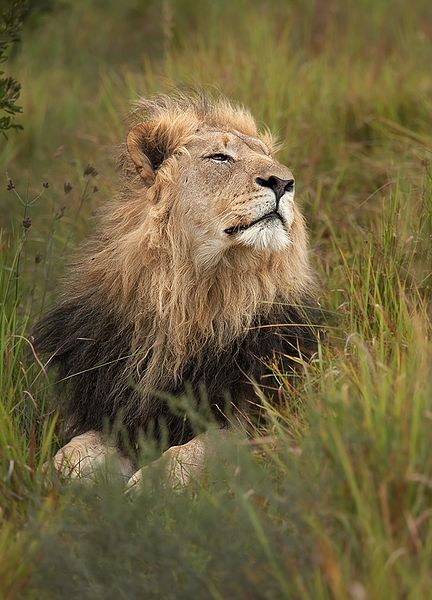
[336, 501]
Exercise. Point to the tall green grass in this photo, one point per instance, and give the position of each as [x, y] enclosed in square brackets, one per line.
[335, 500]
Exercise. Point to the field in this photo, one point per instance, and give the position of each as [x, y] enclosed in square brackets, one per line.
[335, 500]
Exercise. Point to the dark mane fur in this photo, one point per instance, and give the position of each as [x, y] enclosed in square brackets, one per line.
[91, 350]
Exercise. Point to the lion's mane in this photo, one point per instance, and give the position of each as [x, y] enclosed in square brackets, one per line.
[137, 317]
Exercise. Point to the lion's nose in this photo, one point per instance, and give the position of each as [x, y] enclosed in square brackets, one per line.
[279, 186]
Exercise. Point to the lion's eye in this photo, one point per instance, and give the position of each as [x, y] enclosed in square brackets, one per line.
[219, 157]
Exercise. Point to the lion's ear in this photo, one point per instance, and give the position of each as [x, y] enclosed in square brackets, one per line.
[147, 148]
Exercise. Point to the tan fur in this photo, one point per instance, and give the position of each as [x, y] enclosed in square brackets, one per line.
[183, 464]
[86, 454]
[162, 262]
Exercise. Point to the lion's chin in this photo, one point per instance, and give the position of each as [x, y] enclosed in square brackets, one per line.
[268, 235]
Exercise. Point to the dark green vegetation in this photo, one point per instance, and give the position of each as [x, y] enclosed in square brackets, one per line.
[336, 502]
[12, 15]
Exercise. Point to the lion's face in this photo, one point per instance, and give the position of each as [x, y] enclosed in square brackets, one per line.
[217, 182]
[231, 192]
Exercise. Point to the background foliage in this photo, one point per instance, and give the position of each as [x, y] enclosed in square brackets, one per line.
[336, 500]
[12, 16]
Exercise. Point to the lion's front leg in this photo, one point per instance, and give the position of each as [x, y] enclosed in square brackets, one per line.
[183, 464]
[88, 452]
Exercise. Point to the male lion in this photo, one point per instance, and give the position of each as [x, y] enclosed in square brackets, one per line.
[195, 280]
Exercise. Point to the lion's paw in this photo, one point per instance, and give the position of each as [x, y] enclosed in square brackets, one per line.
[180, 464]
[87, 454]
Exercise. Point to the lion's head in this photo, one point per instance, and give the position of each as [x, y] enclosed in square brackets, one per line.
[216, 177]
[212, 175]
[203, 243]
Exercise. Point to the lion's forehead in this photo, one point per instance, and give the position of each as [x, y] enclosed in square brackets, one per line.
[218, 139]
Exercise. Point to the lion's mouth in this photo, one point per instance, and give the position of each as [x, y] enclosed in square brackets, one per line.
[239, 228]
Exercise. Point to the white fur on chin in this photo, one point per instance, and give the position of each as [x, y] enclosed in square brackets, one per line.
[266, 236]
[272, 234]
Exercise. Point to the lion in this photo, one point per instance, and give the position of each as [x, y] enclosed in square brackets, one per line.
[198, 278]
